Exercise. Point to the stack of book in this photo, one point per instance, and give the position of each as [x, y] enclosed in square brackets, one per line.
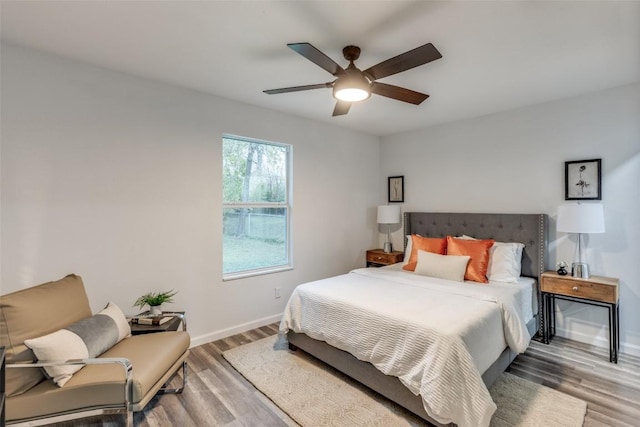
[150, 320]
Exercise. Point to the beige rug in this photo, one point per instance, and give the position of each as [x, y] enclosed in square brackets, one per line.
[314, 394]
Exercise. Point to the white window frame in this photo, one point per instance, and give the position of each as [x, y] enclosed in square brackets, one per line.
[287, 205]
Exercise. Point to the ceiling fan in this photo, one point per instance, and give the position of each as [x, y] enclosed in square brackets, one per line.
[353, 85]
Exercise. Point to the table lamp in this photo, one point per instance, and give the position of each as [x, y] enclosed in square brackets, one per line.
[388, 214]
[580, 218]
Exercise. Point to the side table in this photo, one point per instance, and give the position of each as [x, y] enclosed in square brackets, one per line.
[596, 290]
[380, 258]
[178, 317]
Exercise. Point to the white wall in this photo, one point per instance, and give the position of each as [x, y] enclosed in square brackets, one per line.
[118, 179]
[514, 162]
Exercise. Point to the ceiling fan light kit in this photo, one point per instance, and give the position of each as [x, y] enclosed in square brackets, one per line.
[353, 85]
[352, 88]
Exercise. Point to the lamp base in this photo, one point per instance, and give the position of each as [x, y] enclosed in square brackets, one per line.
[387, 247]
[580, 270]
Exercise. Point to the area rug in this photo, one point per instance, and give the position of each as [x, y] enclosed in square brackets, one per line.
[314, 394]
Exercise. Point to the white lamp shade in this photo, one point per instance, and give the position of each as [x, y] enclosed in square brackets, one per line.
[389, 214]
[580, 218]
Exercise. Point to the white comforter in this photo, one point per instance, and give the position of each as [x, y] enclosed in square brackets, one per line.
[418, 329]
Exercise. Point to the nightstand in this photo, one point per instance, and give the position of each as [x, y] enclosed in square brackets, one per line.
[596, 290]
[379, 258]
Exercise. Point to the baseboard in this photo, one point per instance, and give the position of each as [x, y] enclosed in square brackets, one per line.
[598, 341]
[223, 333]
[630, 349]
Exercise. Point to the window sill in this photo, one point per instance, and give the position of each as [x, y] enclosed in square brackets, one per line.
[251, 273]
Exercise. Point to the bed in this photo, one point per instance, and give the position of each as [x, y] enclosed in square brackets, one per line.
[440, 365]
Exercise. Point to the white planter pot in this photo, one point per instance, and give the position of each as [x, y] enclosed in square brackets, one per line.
[155, 309]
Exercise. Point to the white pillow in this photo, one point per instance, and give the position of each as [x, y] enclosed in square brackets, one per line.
[85, 338]
[450, 267]
[407, 251]
[505, 261]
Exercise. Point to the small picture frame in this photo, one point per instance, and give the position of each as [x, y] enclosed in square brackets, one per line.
[583, 180]
[396, 189]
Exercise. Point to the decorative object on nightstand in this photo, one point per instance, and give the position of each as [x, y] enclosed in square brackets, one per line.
[562, 268]
[596, 290]
[580, 218]
[388, 214]
[380, 258]
[155, 300]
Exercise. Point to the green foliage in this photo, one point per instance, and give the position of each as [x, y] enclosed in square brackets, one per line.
[152, 298]
[234, 162]
[253, 171]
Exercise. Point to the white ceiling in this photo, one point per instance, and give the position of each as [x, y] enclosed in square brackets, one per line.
[496, 55]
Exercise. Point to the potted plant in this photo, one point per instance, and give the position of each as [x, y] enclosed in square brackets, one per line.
[155, 300]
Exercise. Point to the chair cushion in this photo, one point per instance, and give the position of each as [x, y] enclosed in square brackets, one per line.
[33, 312]
[152, 357]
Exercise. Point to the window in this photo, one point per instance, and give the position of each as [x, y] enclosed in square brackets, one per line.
[256, 209]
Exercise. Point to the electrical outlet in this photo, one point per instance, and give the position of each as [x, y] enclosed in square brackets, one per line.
[277, 292]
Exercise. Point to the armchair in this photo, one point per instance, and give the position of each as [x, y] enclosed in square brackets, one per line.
[123, 379]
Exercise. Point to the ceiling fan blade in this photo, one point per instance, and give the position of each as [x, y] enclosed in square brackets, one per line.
[399, 93]
[314, 55]
[341, 108]
[297, 88]
[403, 62]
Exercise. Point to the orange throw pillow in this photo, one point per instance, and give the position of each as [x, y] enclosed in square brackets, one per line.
[478, 250]
[435, 245]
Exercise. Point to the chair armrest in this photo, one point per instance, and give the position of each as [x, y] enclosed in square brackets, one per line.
[122, 361]
[126, 364]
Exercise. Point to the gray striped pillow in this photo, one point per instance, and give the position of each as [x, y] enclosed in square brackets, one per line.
[85, 338]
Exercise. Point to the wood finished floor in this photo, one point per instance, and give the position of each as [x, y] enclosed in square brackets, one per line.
[217, 395]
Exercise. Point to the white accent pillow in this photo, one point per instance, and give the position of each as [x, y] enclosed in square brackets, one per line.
[450, 267]
[85, 338]
[505, 261]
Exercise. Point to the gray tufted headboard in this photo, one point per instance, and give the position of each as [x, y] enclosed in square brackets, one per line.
[530, 229]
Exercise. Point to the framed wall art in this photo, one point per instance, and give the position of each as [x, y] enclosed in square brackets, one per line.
[583, 180]
[396, 189]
